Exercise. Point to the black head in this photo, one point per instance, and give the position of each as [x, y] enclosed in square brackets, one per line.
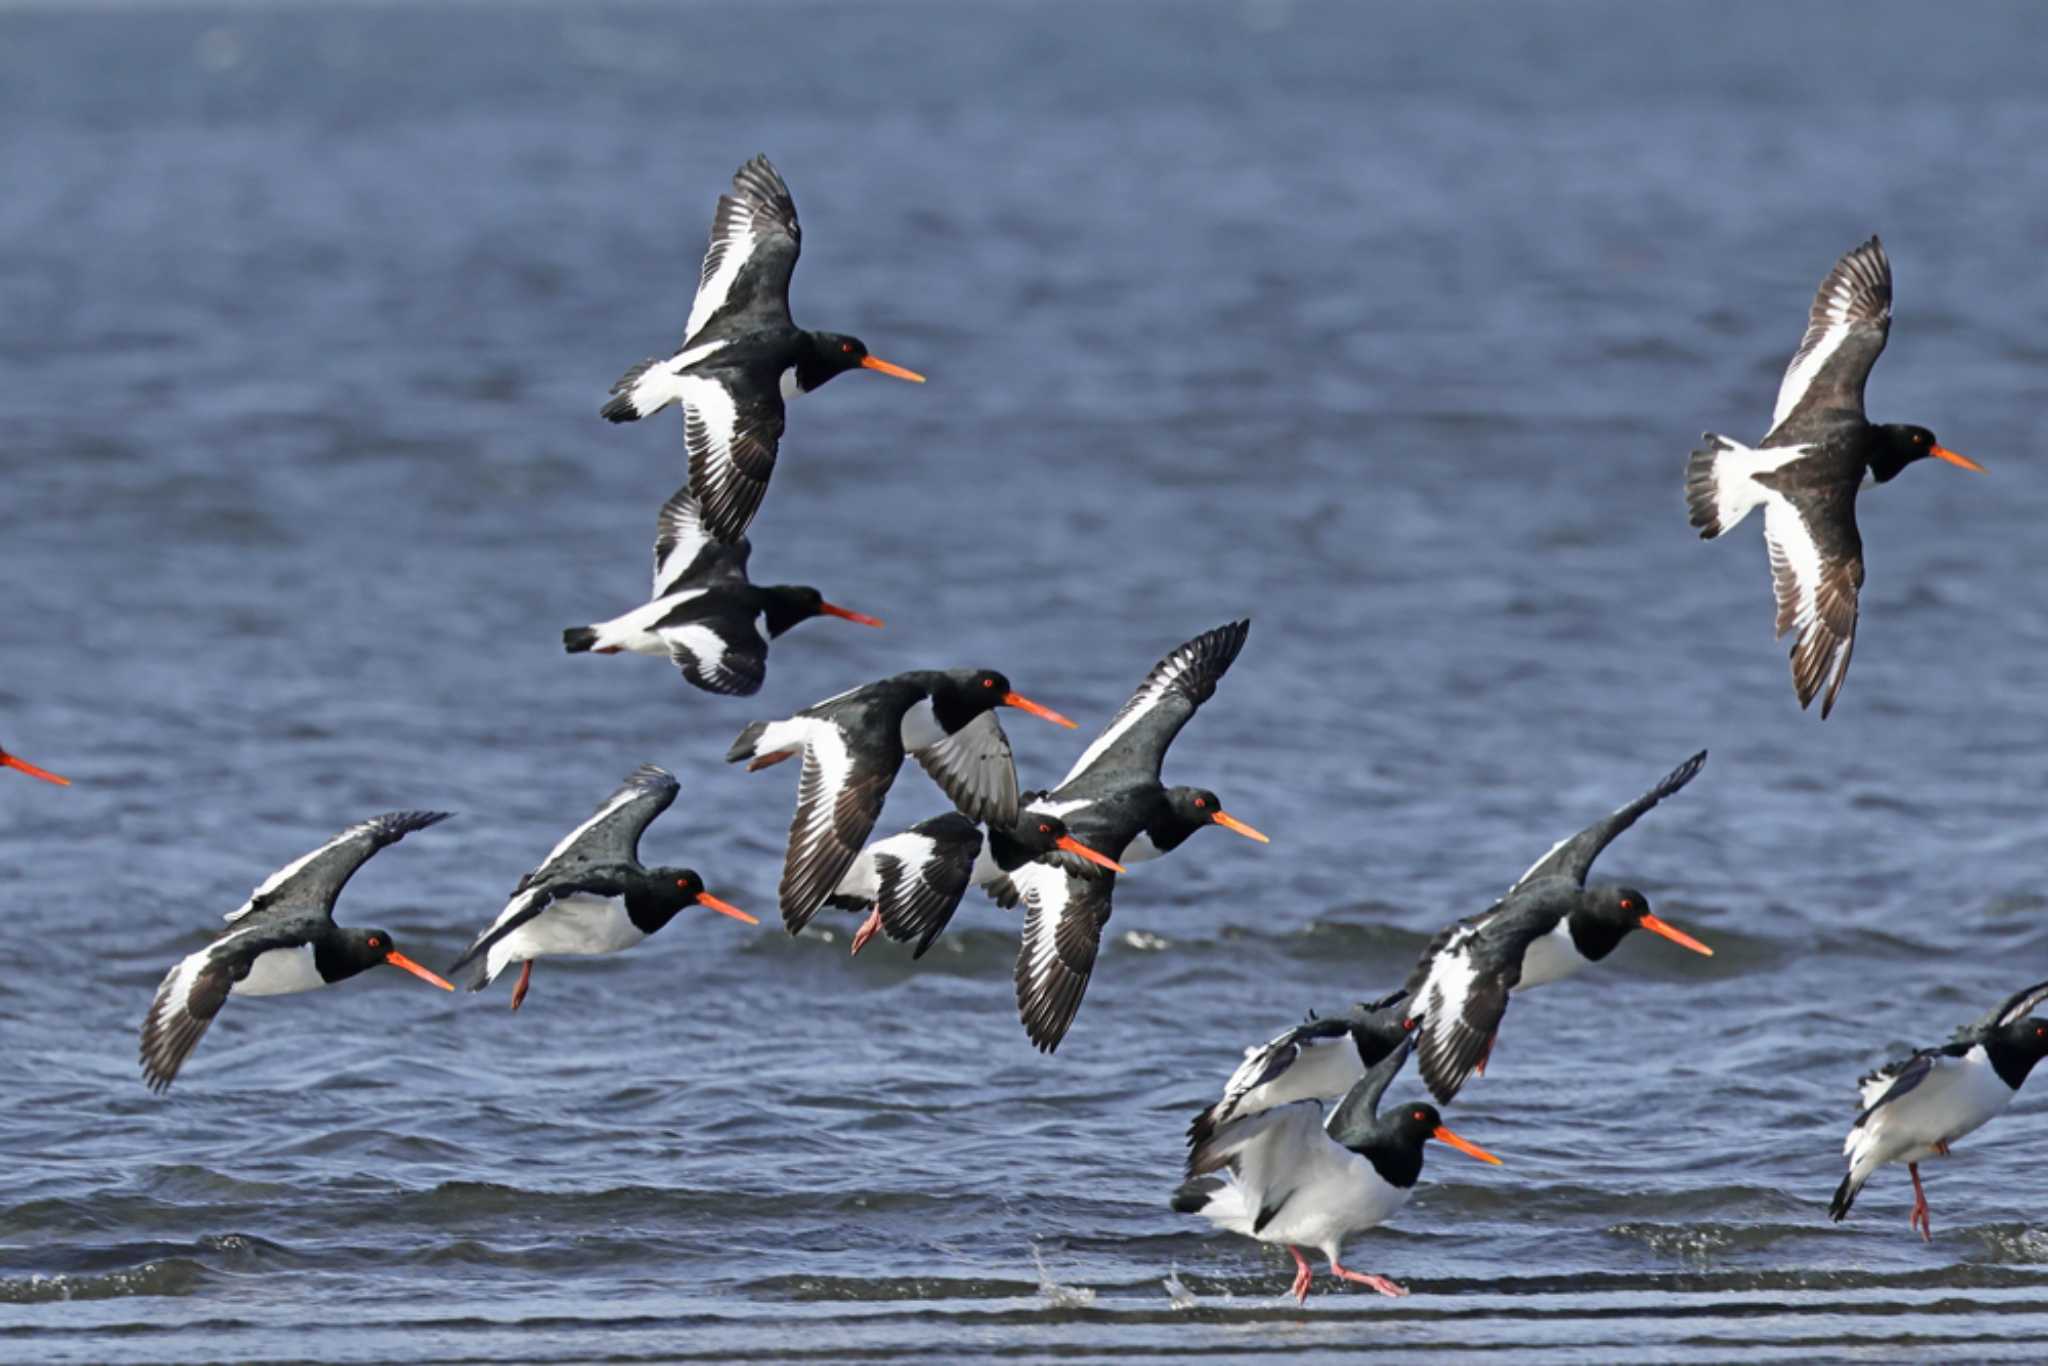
[2015, 1048]
[1899, 444]
[1607, 914]
[1395, 1144]
[786, 604]
[1036, 833]
[834, 353]
[960, 695]
[359, 950]
[653, 900]
[1192, 808]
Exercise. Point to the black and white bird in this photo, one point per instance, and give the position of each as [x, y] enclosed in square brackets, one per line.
[1916, 1107]
[1807, 472]
[591, 894]
[742, 357]
[283, 940]
[704, 613]
[8, 760]
[910, 884]
[1319, 1059]
[1548, 926]
[1114, 801]
[1289, 1176]
[852, 745]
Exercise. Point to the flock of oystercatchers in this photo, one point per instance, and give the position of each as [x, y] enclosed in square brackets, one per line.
[1266, 1160]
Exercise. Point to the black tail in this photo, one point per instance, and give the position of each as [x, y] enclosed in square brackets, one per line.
[579, 639]
[622, 408]
[743, 748]
[1201, 1129]
[1193, 1197]
[1845, 1196]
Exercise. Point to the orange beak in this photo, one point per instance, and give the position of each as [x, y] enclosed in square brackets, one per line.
[1229, 822]
[724, 907]
[399, 960]
[1946, 454]
[877, 363]
[831, 611]
[1023, 703]
[1676, 936]
[1464, 1145]
[9, 761]
[1074, 846]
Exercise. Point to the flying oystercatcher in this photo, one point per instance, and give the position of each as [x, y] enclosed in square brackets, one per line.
[1113, 801]
[1915, 1107]
[591, 894]
[1806, 473]
[742, 357]
[704, 614]
[1548, 926]
[910, 884]
[1292, 1177]
[16, 761]
[852, 746]
[283, 940]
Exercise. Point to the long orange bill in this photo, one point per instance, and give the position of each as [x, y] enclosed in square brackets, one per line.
[1023, 703]
[725, 908]
[10, 761]
[831, 611]
[877, 363]
[399, 960]
[1233, 823]
[1946, 454]
[1656, 926]
[1074, 846]
[1464, 1145]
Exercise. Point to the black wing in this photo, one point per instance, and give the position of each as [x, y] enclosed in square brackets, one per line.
[755, 240]
[1136, 740]
[1459, 989]
[837, 805]
[1352, 1121]
[721, 653]
[1845, 334]
[194, 990]
[685, 553]
[1573, 857]
[1817, 573]
[1062, 931]
[2017, 1006]
[312, 883]
[611, 836]
[974, 767]
[731, 430]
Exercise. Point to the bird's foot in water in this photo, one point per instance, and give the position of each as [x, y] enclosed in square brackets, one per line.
[1303, 1274]
[1379, 1283]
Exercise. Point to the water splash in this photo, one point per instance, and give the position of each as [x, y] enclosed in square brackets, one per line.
[1055, 1295]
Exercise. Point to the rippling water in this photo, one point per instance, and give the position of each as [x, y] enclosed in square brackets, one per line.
[1390, 329]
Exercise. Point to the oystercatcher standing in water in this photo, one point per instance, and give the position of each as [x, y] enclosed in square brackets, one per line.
[704, 614]
[852, 746]
[1917, 1106]
[1548, 926]
[911, 883]
[1113, 801]
[742, 357]
[1806, 473]
[591, 894]
[284, 940]
[1291, 1177]
[16, 761]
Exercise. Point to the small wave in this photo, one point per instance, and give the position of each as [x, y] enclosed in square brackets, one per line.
[170, 1276]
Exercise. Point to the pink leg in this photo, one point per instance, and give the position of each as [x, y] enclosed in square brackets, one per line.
[525, 980]
[1921, 1218]
[1487, 1056]
[606, 650]
[764, 760]
[1302, 1276]
[867, 929]
[1379, 1283]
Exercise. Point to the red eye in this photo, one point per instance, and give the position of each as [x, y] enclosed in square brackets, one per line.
[1418, 1114]
[1045, 830]
[988, 682]
[1201, 802]
[375, 941]
[1627, 905]
[846, 347]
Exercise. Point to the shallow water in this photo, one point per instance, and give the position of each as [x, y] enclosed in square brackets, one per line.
[1390, 330]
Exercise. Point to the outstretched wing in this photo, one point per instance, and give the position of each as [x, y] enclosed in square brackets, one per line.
[1136, 740]
[973, 766]
[731, 430]
[721, 654]
[686, 555]
[1845, 334]
[1351, 1122]
[612, 834]
[313, 882]
[754, 244]
[1459, 989]
[1063, 921]
[1573, 857]
[1816, 571]
[837, 804]
[2017, 1006]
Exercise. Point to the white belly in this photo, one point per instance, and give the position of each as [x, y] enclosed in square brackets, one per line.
[635, 630]
[1958, 1098]
[1550, 958]
[280, 972]
[581, 924]
[1344, 1196]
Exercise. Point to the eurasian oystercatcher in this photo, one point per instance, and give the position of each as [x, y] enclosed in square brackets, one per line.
[1548, 926]
[1915, 1107]
[1294, 1178]
[1806, 473]
[284, 940]
[852, 746]
[16, 761]
[910, 884]
[591, 894]
[742, 357]
[1319, 1059]
[704, 614]
[1113, 801]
